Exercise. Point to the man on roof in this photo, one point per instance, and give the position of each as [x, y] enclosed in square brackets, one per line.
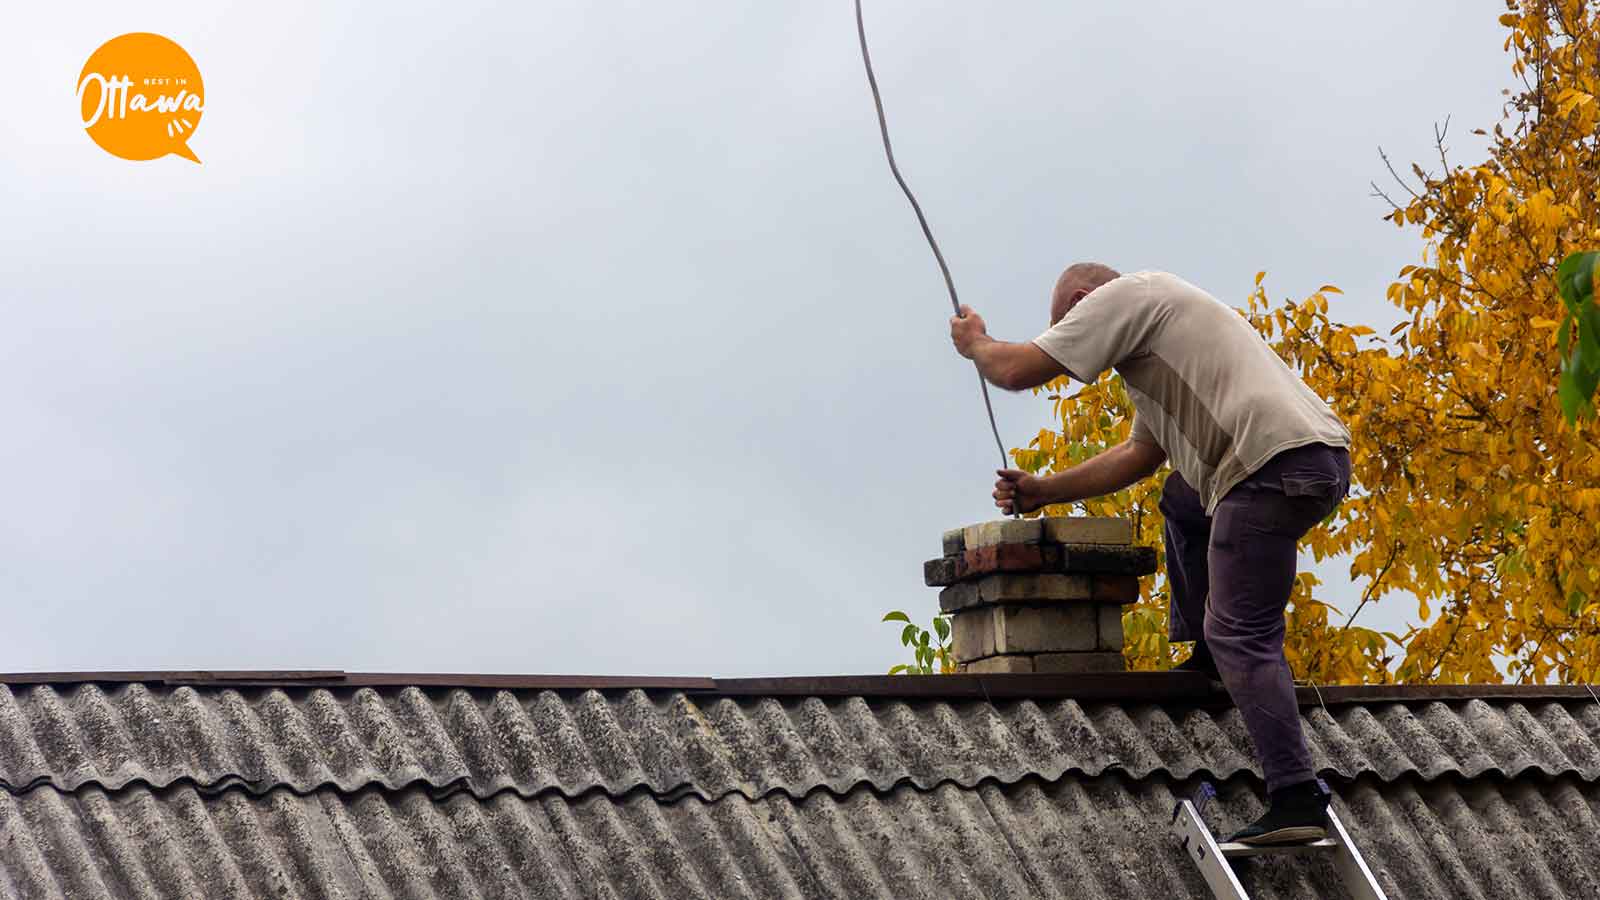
[1257, 460]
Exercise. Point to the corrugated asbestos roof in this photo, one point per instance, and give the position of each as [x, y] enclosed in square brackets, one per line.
[1093, 838]
[229, 789]
[672, 744]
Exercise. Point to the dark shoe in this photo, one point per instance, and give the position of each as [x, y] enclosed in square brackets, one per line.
[1295, 814]
[1200, 661]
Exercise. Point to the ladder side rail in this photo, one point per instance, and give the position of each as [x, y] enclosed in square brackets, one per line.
[1202, 848]
[1358, 879]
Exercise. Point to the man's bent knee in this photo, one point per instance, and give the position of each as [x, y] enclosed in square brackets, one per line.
[1224, 634]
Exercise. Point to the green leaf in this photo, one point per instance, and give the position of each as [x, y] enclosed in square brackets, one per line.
[1588, 353]
[1575, 279]
[1589, 334]
[924, 640]
[1576, 388]
[900, 669]
[908, 634]
[1580, 372]
[1586, 380]
[896, 616]
[1571, 400]
[943, 627]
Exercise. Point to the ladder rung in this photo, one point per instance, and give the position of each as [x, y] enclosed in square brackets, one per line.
[1240, 851]
[1212, 858]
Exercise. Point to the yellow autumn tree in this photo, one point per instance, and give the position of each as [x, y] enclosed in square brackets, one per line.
[1473, 497]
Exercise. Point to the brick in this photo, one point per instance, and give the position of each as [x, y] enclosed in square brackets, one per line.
[998, 665]
[1088, 530]
[972, 634]
[1007, 558]
[948, 570]
[1031, 588]
[1108, 559]
[1109, 630]
[1003, 531]
[940, 572]
[959, 596]
[1079, 663]
[1044, 629]
[954, 544]
[1121, 589]
[1073, 559]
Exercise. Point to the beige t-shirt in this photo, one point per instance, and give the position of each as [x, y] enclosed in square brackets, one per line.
[1205, 387]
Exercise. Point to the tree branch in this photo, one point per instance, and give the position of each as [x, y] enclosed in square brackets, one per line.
[1396, 175]
[1367, 595]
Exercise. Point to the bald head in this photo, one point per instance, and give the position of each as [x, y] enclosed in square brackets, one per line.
[1075, 283]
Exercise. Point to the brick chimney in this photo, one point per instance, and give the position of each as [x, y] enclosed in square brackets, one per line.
[1039, 595]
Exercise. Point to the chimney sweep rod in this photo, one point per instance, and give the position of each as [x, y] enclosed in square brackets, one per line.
[944, 269]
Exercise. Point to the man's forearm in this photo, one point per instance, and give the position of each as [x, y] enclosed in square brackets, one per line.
[993, 357]
[1106, 473]
[1015, 367]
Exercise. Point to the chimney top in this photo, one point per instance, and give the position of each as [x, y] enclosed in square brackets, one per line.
[1039, 595]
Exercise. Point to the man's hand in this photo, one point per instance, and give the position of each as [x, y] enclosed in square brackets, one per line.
[967, 331]
[1105, 473]
[1015, 367]
[1018, 492]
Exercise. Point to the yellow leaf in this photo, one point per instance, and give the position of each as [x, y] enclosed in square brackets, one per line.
[1571, 99]
[1259, 276]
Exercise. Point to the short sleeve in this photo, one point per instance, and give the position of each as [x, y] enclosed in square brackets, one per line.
[1141, 431]
[1108, 326]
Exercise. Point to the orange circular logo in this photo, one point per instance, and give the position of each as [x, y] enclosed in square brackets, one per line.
[141, 97]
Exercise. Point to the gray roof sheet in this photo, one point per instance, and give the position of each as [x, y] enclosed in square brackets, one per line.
[147, 789]
[1074, 837]
[669, 744]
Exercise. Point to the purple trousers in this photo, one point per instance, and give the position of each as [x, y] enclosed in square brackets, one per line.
[1231, 574]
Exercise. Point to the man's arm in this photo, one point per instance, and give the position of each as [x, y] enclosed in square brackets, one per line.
[1015, 367]
[1106, 473]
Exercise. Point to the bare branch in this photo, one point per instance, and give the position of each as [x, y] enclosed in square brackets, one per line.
[1378, 192]
[1398, 180]
[1438, 141]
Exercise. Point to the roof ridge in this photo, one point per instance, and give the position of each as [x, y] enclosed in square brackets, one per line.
[1111, 686]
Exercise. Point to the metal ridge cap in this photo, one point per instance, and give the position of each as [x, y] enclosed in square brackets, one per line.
[1334, 695]
[1129, 686]
[169, 676]
[340, 678]
[1149, 686]
[1146, 687]
[1108, 686]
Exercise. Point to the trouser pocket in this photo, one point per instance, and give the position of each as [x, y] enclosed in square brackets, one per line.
[1321, 485]
[1300, 489]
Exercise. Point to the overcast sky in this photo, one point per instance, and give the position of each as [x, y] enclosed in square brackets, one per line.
[594, 337]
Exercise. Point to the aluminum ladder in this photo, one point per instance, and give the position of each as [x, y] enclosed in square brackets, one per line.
[1212, 857]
